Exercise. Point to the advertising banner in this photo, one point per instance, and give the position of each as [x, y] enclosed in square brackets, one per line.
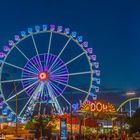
[63, 129]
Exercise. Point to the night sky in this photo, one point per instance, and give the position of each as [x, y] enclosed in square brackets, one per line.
[111, 27]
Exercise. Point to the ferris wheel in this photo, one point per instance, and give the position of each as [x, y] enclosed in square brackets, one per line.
[47, 64]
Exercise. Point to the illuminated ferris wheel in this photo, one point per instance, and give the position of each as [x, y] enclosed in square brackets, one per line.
[44, 65]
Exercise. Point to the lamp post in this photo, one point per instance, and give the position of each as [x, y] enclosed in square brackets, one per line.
[71, 115]
[16, 109]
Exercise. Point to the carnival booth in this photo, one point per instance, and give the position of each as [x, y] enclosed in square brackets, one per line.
[95, 117]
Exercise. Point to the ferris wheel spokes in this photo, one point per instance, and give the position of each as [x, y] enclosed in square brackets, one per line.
[19, 99]
[57, 64]
[49, 46]
[54, 99]
[51, 67]
[41, 90]
[31, 98]
[73, 59]
[59, 79]
[12, 65]
[67, 85]
[37, 52]
[17, 80]
[54, 86]
[50, 41]
[25, 56]
[12, 91]
[65, 99]
[22, 91]
[21, 52]
[31, 90]
[76, 73]
[37, 62]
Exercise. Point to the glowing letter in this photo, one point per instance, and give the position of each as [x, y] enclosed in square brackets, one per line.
[99, 107]
[93, 107]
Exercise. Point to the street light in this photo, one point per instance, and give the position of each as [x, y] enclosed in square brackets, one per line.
[130, 94]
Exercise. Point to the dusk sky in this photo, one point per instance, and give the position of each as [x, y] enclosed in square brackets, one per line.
[111, 27]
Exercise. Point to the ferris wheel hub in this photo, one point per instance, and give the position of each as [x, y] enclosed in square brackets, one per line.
[43, 76]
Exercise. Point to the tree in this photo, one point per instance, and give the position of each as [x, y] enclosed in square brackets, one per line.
[135, 122]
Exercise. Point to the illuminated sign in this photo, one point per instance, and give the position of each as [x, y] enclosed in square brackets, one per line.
[98, 107]
[63, 129]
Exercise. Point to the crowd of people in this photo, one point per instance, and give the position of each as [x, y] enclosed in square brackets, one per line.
[103, 136]
[107, 136]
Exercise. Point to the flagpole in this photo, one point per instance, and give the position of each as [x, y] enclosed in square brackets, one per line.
[71, 115]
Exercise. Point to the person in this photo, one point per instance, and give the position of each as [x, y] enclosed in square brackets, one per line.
[37, 134]
[123, 136]
[133, 137]
[49, 133]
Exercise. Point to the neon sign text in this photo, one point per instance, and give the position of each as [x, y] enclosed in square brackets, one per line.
[98, 107]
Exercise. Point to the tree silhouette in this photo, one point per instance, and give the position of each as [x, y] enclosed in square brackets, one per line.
[135, 122]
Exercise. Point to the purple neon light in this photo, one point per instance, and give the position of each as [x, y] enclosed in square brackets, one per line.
[6, 48]
[2, 55]
[56, 65]
[16, 37]
[54, 89]
[59, 29]
[39, 61]
[42, 63]
[31, 90]
[89, 50]
[32, 68]
[38, 64]
[52, 27]
[11, 42]
[85, 44]
[93, 57]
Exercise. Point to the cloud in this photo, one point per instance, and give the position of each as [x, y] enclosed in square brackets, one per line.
[114, 95]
